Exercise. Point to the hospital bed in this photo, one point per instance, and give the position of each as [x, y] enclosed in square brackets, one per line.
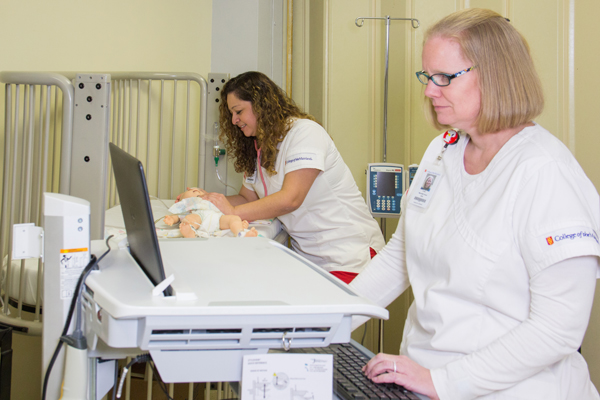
[53, 143]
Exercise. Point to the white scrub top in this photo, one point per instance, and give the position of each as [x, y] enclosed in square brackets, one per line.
[470, 246]
[333, 227]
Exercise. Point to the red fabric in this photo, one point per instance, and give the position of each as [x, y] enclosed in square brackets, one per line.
[348, 277]
[373, 252]
[344, 276]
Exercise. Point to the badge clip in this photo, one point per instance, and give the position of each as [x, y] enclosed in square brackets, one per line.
[450, 137]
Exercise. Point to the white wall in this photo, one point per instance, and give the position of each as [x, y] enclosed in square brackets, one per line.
[247, 35]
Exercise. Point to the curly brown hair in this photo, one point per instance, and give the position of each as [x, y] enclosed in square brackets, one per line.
[274, 112]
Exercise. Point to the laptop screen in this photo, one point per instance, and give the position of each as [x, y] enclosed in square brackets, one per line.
[137, 214]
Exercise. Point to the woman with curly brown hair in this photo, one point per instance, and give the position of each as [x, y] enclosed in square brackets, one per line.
[301, 177]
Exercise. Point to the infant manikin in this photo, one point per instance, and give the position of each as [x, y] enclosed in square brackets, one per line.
[204, 216]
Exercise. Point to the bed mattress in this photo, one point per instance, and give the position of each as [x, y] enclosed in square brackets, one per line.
[114, 225]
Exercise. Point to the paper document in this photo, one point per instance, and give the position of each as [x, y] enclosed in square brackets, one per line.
[287, 376]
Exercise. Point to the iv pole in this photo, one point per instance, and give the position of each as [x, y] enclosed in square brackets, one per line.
[360, 21]
[415, 24]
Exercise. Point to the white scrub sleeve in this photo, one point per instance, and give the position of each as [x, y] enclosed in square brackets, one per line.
[561, 303]
[385, 277]
[305, 147]
[556, 216]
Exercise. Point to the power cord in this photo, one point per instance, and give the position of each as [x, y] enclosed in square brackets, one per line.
[116, 379]
[78, 288]
[163, 203]
[116, 373]
[156, 221]
[139, 359]
[160, 382]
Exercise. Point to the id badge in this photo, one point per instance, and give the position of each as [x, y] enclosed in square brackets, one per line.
[250, 179]
[426, 187]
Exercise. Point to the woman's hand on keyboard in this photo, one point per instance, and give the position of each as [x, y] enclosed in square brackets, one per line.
[401, 370]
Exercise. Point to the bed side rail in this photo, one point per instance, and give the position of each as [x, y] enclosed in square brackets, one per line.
[160, 118]
[37, 143]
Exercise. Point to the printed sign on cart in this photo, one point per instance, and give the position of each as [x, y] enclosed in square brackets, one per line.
[287, 377]
[72, 264]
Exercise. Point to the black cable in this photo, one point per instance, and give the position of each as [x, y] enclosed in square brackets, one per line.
[116, 377]
[195, 392]
[107, 251]
[162, 385]
[116, 381]
[362, 341]
[141, 358]
[65, 329]
[78, 287]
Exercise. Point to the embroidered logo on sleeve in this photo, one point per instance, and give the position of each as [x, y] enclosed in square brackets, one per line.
[300, 157]
[571, 235]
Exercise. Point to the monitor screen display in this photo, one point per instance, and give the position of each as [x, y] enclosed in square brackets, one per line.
[386, 184]
[137, 214]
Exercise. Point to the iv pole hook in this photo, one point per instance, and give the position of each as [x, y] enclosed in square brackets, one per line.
[360, 21]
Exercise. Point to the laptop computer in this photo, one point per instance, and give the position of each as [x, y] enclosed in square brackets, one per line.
[137, 215]
[229, 297]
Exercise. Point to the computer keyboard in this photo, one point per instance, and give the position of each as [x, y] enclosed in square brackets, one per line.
[349, 382]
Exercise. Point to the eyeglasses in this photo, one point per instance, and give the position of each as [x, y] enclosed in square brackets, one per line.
[440, 79]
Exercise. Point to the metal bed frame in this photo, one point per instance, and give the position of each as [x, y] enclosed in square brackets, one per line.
[160, 118]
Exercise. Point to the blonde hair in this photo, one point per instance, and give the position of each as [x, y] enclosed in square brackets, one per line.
[274, 112]
[511, 91]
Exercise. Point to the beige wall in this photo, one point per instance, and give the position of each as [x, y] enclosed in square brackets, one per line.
[563, 35]
[87, 36]
[587, 144]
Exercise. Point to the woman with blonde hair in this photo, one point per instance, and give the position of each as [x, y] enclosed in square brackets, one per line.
[293, 171]
[502, 251]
